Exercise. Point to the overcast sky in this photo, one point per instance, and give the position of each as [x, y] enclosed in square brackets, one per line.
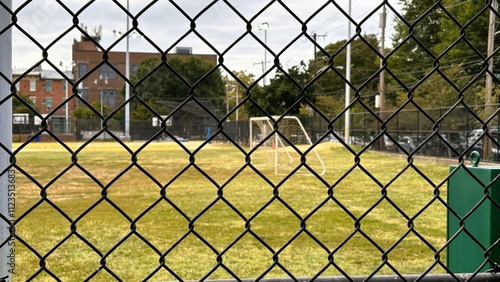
[46, 20]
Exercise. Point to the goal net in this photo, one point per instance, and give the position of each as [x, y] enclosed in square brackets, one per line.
[283, 150]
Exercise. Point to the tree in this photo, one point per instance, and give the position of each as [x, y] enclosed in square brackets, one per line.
[469, 14]
[282, 93]
[20, 107]
[87, 113]
[438, 91]
[364, 64]
[165, 85]
[415, 38]
[435, 37]
[436, 94]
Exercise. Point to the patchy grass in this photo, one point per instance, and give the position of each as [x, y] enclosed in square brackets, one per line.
[116, 213]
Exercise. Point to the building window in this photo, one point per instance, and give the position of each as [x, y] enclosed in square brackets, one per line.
[48, 85]
[33, 99]
[32, 85]
[107, 71]
[108, 96]
[48, 103]
[64, 85]
[184, 50]
[58, 125]
[84, 93]
[133, 69]
[82, 69]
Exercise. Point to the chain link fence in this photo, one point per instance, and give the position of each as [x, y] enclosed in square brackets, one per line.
[211, 208]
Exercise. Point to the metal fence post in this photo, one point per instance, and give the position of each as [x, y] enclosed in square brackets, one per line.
[5, 136]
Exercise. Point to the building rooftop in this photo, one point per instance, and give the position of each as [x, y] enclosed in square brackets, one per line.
[44, 74]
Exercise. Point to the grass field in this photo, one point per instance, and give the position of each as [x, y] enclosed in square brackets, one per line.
[195, 222]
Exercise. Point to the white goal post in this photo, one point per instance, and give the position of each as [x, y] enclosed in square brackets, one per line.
[278, 152]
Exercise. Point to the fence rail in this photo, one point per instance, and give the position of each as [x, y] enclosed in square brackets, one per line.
[493, 277]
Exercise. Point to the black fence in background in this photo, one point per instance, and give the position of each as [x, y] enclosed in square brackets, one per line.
[409, 128]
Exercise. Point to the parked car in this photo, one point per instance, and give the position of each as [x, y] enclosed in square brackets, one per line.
[408, 143]
[494, 154]
[168, 138]
[330, 137]
[388, 143]
[446, 144]
[333, 138]
[474, 135]
[357, 141]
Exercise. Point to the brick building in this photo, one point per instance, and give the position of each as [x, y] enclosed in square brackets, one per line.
[47, 89]
[103, 81]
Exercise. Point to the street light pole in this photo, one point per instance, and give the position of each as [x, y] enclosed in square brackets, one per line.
[347, 128]
[97, 82]
[229, 98]
[127, 86]
[264, 26]
[381, 100]
[66, 108]
[227, 95]
[237, 109]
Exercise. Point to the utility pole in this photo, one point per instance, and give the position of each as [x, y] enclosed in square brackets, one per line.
[489, 78]
[263, 64]
[382, 24]
[491, 46]
[315, 36]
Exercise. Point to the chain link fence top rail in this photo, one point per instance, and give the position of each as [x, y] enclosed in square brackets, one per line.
[207, 210]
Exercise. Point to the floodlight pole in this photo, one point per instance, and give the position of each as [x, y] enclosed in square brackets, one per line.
[127, 72]
[237, 101]
[127, 87]
[98, 82]
[381, 97]
[264, 26]
[66, 109]
[348, 78]
[7, 188]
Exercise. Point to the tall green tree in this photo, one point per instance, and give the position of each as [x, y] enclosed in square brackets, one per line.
[332, 83]
[415, 38]
[466, 33]
[440, 90]
[283, 92]
[87, 113]
[434, 33]
[166, 85]
[20, 107]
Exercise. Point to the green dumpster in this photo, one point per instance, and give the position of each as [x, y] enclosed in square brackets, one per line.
[465, 253]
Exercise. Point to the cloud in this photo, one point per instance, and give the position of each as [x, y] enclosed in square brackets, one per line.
[169, 26]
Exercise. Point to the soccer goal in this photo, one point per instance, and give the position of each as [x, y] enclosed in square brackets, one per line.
[283, 151]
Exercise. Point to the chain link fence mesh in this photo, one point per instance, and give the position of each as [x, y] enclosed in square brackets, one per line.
[177, 211]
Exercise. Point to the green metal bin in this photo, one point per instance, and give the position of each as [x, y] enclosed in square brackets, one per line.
[464, 254]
